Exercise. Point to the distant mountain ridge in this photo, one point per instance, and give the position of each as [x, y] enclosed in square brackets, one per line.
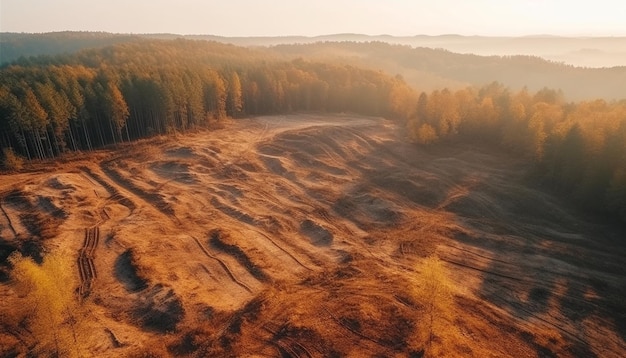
[576, 51]
[608, 51]
[425, 62]
[428, 69]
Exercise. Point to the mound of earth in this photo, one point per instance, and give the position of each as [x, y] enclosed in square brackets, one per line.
[127, 272]
[159, 309]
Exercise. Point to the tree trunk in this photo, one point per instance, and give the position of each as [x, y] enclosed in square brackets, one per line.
[26, 145]
[49, 144]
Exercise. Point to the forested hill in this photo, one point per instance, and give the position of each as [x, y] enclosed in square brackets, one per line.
[16, 45]
[53, 104]
[577, 51]
[425, 68]
[428, 69]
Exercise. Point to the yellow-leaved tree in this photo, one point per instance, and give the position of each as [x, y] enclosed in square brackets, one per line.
[53, 317]
[434, 291]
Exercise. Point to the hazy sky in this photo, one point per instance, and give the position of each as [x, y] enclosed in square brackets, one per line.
[318, 17]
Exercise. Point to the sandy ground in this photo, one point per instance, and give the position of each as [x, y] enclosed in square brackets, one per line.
[299, 236]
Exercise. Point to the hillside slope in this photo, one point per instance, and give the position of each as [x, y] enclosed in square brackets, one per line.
[300, 236]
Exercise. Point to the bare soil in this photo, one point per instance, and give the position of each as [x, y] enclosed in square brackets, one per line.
[298, 236]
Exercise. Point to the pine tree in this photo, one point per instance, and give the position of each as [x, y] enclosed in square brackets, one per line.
[234, 99]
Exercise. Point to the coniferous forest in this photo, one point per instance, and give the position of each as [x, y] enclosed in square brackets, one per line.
[50, 105]
[129, 91]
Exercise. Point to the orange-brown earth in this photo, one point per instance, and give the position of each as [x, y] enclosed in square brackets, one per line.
[300, 236]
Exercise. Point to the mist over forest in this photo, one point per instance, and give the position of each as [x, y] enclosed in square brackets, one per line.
[583, 68]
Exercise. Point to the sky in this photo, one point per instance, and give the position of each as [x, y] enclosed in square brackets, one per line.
[319, 17]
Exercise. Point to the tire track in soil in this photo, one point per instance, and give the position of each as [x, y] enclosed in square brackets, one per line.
[256, 224]
[518, 306]
[286, 345]
[303, 250]
[291, 348]
[253, 224]
[295, 259]
[86, 266]
[489, 260]
[223, 265]
[8, 219]
[545, 283]
[239, 255]
[104, 215]
[22, 334]
[341, 323]
[90, 179]
[114, 193]
[152, 199]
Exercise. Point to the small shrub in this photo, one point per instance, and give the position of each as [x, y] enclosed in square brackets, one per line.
[11, 161]
[426, 134]
[53, 317]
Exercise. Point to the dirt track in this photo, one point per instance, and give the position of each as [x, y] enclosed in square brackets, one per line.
[298, 236]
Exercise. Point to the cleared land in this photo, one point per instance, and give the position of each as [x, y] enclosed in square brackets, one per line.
[299, 236]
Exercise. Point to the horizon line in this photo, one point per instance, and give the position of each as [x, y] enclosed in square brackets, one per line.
[536, 35]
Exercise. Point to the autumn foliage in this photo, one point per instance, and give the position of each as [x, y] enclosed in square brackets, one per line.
[53, 316]
[50, 105]
[577, 148]
[434, 291]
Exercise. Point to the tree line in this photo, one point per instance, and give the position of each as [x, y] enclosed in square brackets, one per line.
[53, 104]
[577, 148]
